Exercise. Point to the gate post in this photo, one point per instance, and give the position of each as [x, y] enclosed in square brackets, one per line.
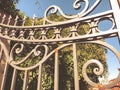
[116, 11]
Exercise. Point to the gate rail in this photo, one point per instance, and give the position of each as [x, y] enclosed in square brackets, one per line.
[27, 35]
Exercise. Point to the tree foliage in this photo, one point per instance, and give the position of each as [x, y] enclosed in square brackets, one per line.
[84, 52]
[9, 7]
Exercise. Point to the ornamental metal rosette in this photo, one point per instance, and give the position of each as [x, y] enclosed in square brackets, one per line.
[37, 36]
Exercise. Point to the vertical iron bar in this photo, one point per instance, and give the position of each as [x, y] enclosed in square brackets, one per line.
[116, 10]
[76, 80]
[25, 80]
[16, 20]
[9, 19]
[14, 79]
[3, 18]
[24, 20]
[39, 85]
[56, 71]
[4, 76]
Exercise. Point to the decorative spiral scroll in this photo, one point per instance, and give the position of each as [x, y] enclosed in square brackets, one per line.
[19, 49]
[77, 5]
[97, 71]
[54, 9]
[100, 70]
[36, 51]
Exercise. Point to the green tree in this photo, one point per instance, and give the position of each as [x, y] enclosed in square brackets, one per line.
[85, 52]
[9, 7]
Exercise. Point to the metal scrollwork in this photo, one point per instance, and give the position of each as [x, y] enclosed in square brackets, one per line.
[19, 48]
[54, 9]
[97, 71]
[77, 5]
[32, 43]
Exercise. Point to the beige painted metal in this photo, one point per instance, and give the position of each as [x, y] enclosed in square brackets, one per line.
[56, 72]
[22, 35]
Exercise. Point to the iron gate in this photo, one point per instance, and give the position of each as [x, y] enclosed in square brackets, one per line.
[24, 36]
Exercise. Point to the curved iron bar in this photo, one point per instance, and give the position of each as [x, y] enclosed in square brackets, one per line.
[18, 34]
[76, 5]
[97, 71]
[10, 32]
[46, 56]
[34, 51]
[100, 69]
[6, 51]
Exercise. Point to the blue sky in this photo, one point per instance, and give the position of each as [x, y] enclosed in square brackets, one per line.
[31, 7]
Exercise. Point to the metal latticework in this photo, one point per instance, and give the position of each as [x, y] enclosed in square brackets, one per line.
[21, 37]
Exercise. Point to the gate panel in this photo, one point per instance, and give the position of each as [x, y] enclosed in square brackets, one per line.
[31, 47]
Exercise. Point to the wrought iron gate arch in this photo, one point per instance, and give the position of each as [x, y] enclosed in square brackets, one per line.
[44, 59]
[17, 34]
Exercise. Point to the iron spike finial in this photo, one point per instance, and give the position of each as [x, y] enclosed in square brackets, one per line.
[9, 19]
[16, 20]
[34, 19]
[3, 18]
[24, 19]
